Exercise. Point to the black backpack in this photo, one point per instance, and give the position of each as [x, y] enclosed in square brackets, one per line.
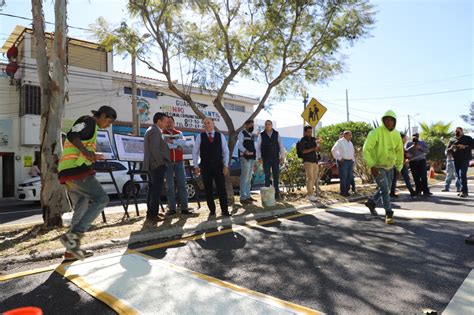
[299, 149]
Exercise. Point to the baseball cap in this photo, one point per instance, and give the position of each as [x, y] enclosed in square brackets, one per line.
[107, 110]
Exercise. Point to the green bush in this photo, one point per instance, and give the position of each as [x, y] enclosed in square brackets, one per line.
[292, 173]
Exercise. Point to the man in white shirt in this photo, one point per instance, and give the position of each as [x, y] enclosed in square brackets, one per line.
[343, 152]
[211, 147]
[271, 152]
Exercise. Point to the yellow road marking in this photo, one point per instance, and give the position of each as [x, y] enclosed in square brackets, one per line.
[116, 304]
[28, 272]
[282, 303]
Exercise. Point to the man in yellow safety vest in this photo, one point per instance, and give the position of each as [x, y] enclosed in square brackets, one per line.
[75, 171]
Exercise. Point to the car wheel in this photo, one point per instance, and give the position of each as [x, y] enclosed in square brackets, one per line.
[327, 177]
[191, 190]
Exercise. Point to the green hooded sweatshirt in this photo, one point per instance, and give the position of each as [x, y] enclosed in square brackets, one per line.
[384, 148]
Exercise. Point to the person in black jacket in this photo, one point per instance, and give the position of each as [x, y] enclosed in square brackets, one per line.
[271, 153]
[461, 148]
[247, 154]
[309, 147]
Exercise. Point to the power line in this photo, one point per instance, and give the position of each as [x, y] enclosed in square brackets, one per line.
[406, 96]
[50, 23]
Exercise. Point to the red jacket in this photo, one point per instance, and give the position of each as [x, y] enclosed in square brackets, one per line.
[176, 155]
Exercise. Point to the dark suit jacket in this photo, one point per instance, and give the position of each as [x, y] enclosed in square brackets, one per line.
[157, 152]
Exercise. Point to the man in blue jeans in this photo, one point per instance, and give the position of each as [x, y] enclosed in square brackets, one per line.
[343, 152]
[461, 149]
[247, 154]
[271, 152]
[76, 173]
[383, 150]
[175, 176]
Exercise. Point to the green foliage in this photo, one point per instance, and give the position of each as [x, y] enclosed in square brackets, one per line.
[122, 39]
[292, 173]
[330, 134]
[438, 130]
[469, 118]
[436, 149]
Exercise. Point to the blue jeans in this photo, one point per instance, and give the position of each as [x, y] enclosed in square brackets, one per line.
[176, 171]
[81, 192]
[461, 167]
[246, 167]
[406, 178]
[346, 175]
[155, 187]
[274, 165]
[450, 175]
[384, 182]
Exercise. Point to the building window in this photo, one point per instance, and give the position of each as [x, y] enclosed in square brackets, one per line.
[236, 108]
[30, 100]
[142, 93]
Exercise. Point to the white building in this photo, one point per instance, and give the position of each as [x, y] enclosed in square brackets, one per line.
[92, 82]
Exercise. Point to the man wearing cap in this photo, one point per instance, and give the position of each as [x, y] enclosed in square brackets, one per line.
[383, 150]
[343, 152]
[416, 151]
[155, 159]
[76, 173]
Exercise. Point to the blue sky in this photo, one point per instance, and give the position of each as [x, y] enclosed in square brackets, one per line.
[416, 47]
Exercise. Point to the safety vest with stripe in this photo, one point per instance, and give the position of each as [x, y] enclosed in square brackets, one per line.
[72, 157]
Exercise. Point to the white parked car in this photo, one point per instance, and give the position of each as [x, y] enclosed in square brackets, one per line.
[30, 189]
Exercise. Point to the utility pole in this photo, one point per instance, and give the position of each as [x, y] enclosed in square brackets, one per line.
[135, 121]
[305, 103]
[347, 105]
[409, 127]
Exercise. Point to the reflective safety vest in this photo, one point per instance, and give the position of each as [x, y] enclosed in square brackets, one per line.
[72, 157]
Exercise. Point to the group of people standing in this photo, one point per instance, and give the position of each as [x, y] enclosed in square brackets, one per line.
[386, 152]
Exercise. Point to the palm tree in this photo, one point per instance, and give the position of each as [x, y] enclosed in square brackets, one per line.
[438, 130]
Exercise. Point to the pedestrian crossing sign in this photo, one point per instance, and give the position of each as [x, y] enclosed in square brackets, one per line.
[313, 113]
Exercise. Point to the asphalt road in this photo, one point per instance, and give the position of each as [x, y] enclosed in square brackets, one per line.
[336, 261]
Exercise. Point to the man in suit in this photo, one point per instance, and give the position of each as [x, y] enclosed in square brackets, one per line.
[156, 157]
[211, 147]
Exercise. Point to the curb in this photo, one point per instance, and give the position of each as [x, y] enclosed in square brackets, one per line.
[173, 232]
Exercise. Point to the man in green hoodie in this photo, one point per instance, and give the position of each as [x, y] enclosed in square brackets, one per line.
[383, 150]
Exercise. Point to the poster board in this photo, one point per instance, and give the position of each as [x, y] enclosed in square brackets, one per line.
[129, 148]
[188, 149]
[104, 146]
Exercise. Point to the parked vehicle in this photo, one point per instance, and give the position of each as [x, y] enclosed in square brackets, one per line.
[327, 171]
[30, 189]
[194, 185]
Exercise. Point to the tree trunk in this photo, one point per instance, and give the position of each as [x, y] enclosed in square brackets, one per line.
[53, 197]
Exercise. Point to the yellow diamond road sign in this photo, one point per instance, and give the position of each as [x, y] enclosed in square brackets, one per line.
[313, 112]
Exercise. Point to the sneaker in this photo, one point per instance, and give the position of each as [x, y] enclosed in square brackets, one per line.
[245, 202]
[72, 243]
[226, 214]
[369, 204]
[170, 213]
[470, 239]
[427, 194]
[389, 219]
[186, 212]
[445, 190]
[68, 257]
[152, 218]
[463, 195]
[413, 194]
